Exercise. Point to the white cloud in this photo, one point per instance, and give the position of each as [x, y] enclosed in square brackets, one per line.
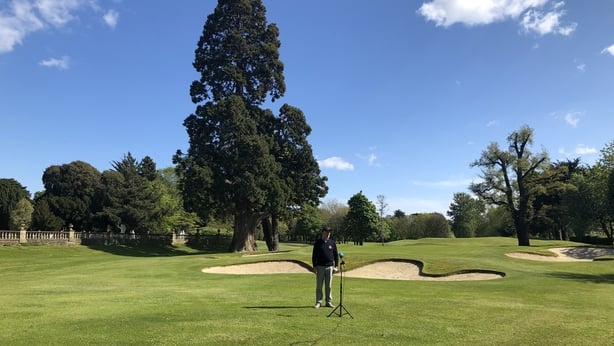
[111, 18]
[581, 67]
[16, 23]
[482, 12]
[545, 23]
[371, 159]
[491, 123]
[572, 118]
[475, 12]
[20, 18]
[580, 149]
[609, 50]
[61, 64]
[58, 12]
[337, 163]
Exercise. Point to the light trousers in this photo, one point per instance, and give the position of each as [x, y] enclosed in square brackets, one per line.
[324, 276]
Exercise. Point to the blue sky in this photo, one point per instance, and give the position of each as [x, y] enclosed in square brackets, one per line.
[401, 95]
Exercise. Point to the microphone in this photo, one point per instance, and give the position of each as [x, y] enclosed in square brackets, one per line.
[341, 254]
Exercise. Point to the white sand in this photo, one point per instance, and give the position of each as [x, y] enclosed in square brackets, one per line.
[567, 254]
[399, 270]
[391, 270]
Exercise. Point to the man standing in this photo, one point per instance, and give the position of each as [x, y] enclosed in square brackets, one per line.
[325, 260]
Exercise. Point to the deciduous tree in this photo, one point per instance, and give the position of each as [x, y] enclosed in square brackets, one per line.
[70, 190]
[362, 219]
[508, 177]
[466, 214]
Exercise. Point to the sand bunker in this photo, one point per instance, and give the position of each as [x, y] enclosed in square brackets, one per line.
[400, 270]
[567, 254]
[390, 270]
[272, 267]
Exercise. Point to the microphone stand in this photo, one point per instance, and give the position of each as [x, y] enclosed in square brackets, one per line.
[341, 307]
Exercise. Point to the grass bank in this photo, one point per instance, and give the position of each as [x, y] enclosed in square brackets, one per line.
[57, 295]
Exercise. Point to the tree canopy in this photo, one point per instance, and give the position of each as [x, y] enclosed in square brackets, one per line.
[362, 220]
[11, 192]
[509, 178]
[70, 190]
[243, 161]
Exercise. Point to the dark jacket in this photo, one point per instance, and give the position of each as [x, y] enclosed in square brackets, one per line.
[325, 253]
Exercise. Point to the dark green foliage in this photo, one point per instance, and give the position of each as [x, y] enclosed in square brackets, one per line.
[147, 169]
[127, 197]
[11, 192]
[308, 225]
[465, 214]
[550, 217]
[243, 161]
[429, 225]
[497, 222]
[70, 190]
[238, 54]
[43, 219]
[362, 220]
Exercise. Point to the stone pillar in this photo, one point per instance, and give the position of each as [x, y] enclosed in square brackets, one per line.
[71, 234]
[22, 234]
[174, 238]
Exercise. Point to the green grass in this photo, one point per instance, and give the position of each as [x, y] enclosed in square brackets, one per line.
[55, 295]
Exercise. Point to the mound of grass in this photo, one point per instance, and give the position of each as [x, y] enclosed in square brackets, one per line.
[57, 295]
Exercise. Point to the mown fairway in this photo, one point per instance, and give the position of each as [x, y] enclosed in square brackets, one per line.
[76, 295]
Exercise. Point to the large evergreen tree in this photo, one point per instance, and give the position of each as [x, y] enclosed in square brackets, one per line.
[240, 161]
[128, 197]
[11, 192]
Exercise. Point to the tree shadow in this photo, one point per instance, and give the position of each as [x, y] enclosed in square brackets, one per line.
[148, 251]
[581, 252]
[275, 307]
[596, 278]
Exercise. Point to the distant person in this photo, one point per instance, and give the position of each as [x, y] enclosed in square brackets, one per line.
[325, 260]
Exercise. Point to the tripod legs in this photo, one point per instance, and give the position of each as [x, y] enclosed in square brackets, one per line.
[341, 308]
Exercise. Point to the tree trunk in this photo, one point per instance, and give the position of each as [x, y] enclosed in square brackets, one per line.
[244, 237]
[271, 232]
[522, 232]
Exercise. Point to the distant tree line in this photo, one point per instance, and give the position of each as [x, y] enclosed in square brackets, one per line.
[523, 194]
[133, 196]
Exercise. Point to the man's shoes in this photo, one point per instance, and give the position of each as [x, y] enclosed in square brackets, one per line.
[317, 306]
[330, 305]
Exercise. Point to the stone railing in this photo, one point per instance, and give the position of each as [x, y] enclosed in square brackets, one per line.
[39, 237]
[93, 238]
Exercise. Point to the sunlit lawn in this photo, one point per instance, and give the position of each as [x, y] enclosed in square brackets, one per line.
[56, 295]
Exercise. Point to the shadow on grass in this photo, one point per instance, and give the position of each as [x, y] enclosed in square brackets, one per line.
[604, 278]
[274, 307]
[154, 251]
